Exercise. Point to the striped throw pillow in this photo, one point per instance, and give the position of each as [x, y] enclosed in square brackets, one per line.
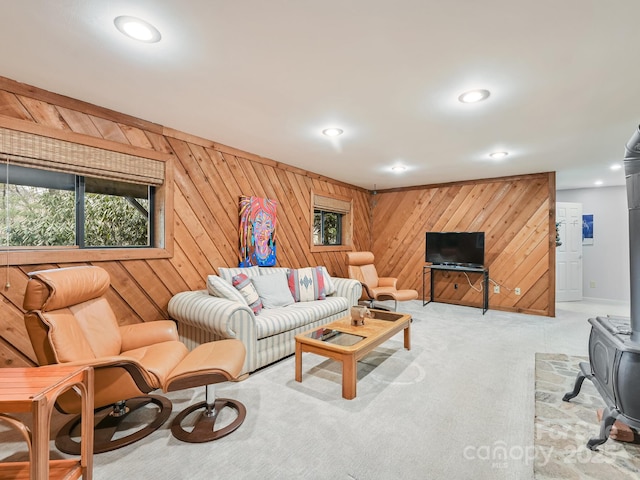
[245, 287]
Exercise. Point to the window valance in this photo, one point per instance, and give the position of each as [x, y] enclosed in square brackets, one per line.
[330, 204]
[38, 151]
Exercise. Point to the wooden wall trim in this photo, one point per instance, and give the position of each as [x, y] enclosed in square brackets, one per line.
[186, 137]
[552, 244]
[30, 127]
[74, 104]
[479, 181]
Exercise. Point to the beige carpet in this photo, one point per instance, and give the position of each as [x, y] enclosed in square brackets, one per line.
[562, 429]
[458, 405]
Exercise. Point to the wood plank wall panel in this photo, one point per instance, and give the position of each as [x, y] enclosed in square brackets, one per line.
[516, 215]
[209, 179]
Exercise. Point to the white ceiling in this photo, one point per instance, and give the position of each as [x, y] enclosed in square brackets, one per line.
[268, 76]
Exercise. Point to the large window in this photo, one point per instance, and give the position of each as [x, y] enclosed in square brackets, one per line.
[331, 222]
[69, 198]
[42, 208]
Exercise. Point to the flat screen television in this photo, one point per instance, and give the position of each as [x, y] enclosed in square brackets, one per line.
[455, 248]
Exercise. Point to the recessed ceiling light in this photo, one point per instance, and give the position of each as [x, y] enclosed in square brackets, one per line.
[473, 96]
[332, 132]
[398, 168]
[498, 155]
[597, 183]
[616, 166]
[137, 29]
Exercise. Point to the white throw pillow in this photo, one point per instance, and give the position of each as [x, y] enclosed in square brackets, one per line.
[218, 287]
[273, 290]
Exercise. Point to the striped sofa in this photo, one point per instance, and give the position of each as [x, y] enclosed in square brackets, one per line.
[267, 337]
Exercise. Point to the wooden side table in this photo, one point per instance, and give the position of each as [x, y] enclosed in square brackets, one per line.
[35, 390]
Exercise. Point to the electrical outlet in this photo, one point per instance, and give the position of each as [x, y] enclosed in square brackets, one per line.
[517, 290]
[496, 289]
[592, 284]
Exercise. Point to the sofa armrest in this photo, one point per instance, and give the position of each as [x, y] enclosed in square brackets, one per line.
[349, 288]
[140, 335]
[224, 318]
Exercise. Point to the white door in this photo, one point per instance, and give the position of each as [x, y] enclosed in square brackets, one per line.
[569, 254]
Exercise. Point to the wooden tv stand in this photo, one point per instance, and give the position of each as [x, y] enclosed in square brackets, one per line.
[456, 268]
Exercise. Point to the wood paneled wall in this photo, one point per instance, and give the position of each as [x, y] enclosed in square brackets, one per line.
[209, 179]
[517, 215]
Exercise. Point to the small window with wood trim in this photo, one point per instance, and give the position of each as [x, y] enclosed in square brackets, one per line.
[331, 225]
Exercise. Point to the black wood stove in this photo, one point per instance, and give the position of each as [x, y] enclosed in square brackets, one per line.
[614, 343]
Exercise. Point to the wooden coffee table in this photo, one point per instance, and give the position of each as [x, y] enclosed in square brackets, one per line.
[341, 341]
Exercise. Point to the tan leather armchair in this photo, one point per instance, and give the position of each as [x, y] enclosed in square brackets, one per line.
[70, 321]
[361, 267]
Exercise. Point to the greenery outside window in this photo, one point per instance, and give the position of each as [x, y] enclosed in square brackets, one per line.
[331, 222]
[327, 228]
[45, 209]
[117, 214]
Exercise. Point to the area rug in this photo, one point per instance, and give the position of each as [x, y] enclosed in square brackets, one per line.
[562, 429]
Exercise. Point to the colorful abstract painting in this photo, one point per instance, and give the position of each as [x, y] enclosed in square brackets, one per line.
[257, 231]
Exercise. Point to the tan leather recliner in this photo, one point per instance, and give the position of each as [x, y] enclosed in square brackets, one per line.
[70, 321]
[361, 267]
